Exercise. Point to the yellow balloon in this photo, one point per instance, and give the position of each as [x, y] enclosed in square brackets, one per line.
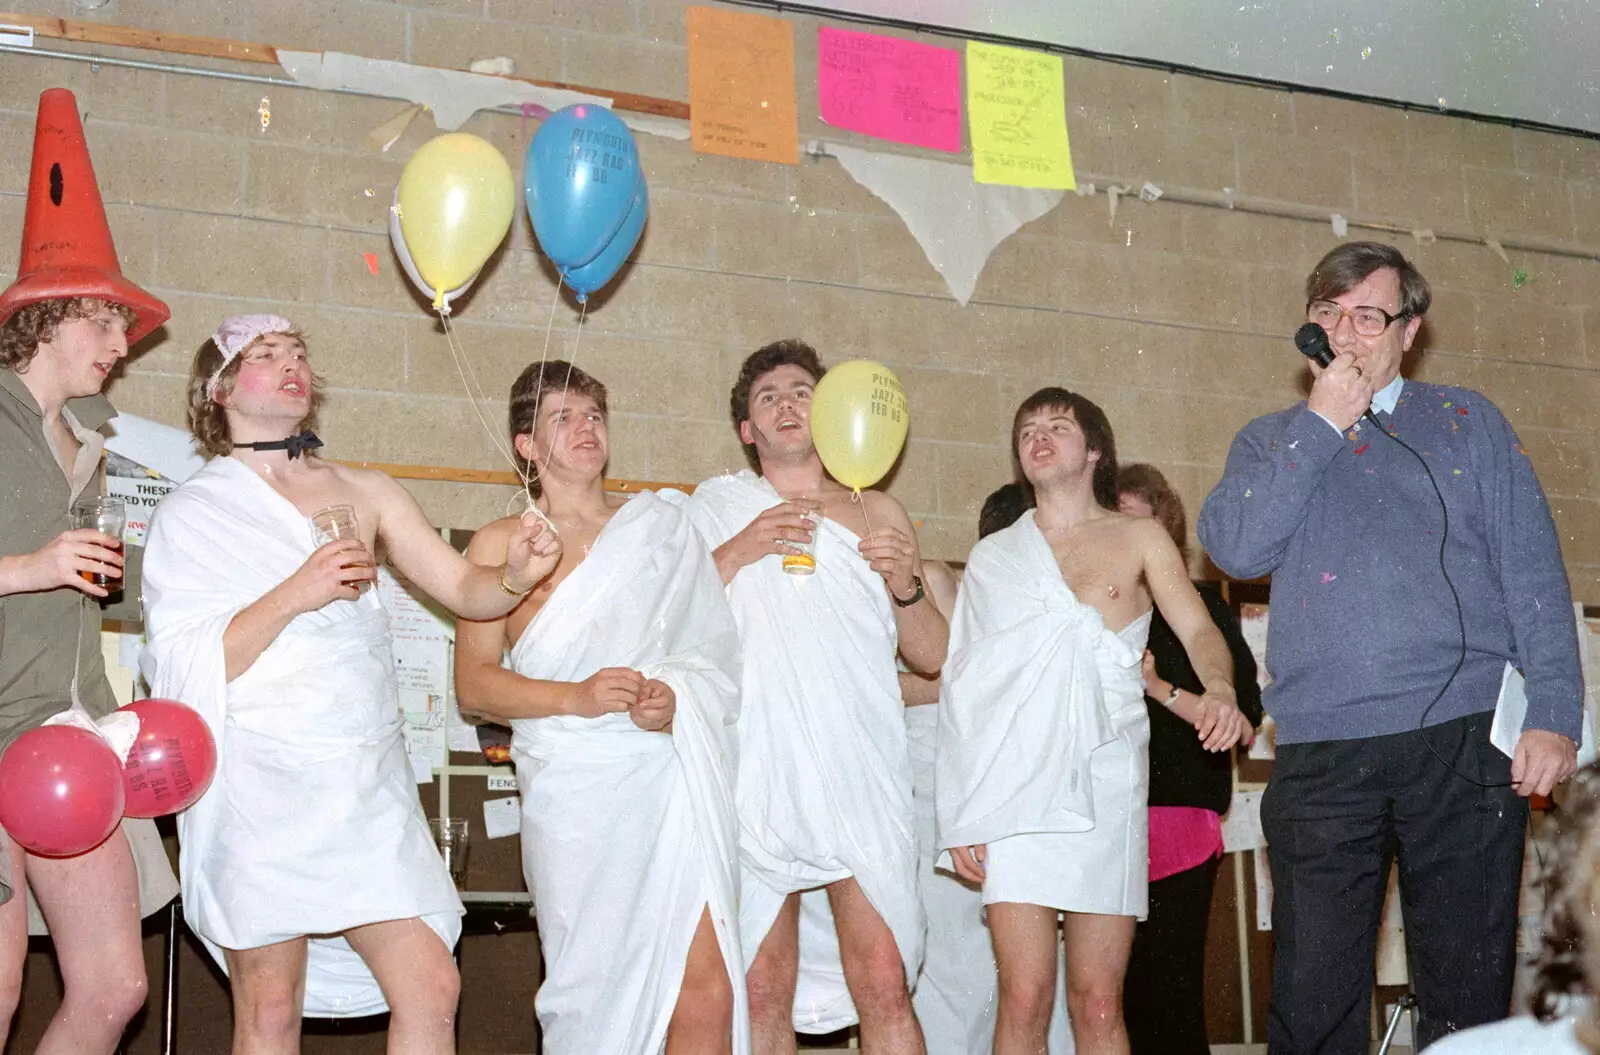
[455, 201]
[859, 418]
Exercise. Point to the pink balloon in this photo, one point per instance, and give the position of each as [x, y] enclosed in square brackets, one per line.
[60, 791]
[172, 761]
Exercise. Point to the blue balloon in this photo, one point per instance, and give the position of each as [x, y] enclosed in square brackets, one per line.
[603, 268]
[581, 174]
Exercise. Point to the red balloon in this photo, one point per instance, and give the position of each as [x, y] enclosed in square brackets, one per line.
[60, 790]
[172, 761]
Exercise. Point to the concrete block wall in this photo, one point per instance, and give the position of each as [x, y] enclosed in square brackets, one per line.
[1174, 317]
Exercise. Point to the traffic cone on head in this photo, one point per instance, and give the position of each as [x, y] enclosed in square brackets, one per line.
[67, 250]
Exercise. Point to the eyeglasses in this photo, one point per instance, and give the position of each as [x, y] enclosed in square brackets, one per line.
[1364, 318]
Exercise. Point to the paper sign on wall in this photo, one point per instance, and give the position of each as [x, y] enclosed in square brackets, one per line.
[741, 86]
[1241, 828]
[899, 90]
[1017, 103]
[502, 817]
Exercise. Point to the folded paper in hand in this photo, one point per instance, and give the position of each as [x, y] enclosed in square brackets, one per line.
[1511, 710]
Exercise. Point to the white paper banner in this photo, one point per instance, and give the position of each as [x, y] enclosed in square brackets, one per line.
[452, 96]
[957, 222]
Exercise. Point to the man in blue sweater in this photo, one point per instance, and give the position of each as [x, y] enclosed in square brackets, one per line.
[1383, 688]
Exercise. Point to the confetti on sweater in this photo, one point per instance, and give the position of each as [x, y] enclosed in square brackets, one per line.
[1328, 577]
[1363, 448]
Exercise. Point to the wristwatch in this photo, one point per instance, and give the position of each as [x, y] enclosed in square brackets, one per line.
[913, 599]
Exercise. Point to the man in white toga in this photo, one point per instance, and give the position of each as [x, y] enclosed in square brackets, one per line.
[622, 692]
[307, 868]
[829, 909]
[1043, 764]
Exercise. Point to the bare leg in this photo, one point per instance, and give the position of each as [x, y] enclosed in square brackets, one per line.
[771, 981]
[874, 973]
[269, 989]
[91, 904]
[1025, 955]
[1097, 959]
[419, 980]
[702, 1021]
[13, 937]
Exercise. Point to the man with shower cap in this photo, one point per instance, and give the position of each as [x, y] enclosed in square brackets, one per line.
[308, 867]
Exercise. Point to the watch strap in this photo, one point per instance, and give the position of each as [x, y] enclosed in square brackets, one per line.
[913, 599]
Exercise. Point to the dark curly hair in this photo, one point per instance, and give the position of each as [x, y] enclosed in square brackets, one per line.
[1569, 963]
[36, 324]
[791, 351]
[537, 382]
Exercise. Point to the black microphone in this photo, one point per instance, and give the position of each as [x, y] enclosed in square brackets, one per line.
[1312, 340]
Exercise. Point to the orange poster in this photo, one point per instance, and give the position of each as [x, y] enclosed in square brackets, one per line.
[741, 86]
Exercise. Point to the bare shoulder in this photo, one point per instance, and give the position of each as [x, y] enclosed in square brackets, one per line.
[1146, 536]
[942, 583]
[373, 484]
[886, 507]
[489, 541]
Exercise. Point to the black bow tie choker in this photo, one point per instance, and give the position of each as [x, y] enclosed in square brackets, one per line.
[295, 445]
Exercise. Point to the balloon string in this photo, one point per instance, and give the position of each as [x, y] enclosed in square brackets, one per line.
[550, 324]
[464, 368]
[863, 504]
[572, 361]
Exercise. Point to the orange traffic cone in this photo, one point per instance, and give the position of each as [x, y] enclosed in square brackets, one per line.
[66, 243]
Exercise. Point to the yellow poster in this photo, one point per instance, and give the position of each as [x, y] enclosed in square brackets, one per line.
[741, 86]
[1017, 106]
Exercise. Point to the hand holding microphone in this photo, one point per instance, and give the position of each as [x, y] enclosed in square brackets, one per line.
[1342, 391]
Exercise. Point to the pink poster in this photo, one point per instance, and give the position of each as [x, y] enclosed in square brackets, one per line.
[894, 89]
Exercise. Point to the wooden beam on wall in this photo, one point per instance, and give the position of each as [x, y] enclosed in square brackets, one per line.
[267, 54]
[449, 474]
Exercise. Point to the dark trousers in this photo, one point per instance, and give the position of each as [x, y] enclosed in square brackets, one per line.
[1335, 815]
[1164, 996]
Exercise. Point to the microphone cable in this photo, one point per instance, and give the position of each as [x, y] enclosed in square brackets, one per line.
[1461, 616]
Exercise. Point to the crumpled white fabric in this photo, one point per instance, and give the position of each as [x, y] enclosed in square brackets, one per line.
[312, 825]
[627, 835]
[119, 729]
[1019, 707]
[824, 780]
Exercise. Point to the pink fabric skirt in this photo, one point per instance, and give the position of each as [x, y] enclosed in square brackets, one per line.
[1182, 837]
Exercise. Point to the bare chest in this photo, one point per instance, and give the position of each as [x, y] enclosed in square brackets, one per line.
[843, 507]
[576, 543]
[327, 492]
[1103, 571]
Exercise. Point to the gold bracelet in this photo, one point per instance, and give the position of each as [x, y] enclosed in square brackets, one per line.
[507, 587]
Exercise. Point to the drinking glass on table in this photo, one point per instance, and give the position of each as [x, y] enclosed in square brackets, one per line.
[107, 516]
[805, 561]
[450, 835]
[333, 523]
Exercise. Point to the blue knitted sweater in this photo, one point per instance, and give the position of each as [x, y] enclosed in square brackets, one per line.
[1363, 631]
